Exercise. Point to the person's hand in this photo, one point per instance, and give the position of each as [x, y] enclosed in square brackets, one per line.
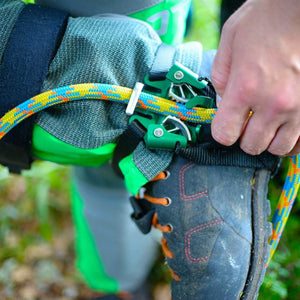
[257, 68]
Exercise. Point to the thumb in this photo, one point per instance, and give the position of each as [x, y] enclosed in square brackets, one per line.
[222, 63]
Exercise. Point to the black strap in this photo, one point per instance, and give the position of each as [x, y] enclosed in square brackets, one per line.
[142, 215]
[32, 45]
[163, 61]
[209, 152]
[126, 144]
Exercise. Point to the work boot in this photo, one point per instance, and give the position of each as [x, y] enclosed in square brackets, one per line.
[215, 228]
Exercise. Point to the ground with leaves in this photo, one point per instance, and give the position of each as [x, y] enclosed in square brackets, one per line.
[36, 239]
[36, 236]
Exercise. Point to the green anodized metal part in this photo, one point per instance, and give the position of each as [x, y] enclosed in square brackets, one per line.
[181, 85]
[161, 87]
[201, 101]
[158, 137]
[186, 86]
[179, 74]
[164, 135]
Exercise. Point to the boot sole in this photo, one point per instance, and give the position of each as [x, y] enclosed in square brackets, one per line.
[262, 230]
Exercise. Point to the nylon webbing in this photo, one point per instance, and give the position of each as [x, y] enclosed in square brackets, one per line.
[127, 143]
[209, 152]
[163, 62]
[31, 47]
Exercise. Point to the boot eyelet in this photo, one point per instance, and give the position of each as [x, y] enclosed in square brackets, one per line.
[167, 173]
[171, 228]
[169, 201]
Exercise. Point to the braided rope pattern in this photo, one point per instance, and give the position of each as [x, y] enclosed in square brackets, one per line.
[96, 91]
[285, 202]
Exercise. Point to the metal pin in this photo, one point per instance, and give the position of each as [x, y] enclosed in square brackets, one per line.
[158, 132]
[178, 75]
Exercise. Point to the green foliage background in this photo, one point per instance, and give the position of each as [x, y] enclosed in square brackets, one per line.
[35, 211]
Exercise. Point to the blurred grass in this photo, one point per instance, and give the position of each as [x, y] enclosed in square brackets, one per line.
[205, 23]
[36, 239]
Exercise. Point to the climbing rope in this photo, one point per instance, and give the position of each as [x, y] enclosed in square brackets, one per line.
[101, 92]
[285, 202]
[95, 91]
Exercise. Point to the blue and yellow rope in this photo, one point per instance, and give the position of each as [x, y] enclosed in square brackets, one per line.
[285, 202]
[100, 92]
[158, 105]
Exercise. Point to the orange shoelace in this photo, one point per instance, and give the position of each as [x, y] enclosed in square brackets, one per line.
[155, 223]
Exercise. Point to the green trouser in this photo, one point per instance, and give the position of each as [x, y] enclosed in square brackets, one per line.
[109, 246]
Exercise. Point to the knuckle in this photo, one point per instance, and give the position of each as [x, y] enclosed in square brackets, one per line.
[254, 142]
[281, 149]
[283, 102]
[247, 90]
[278, 151]
[295, 151]
[249, 86]
[280, 105]
[228, 26]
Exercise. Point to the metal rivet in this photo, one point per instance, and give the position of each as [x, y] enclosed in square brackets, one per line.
[158, 132]
[178, 75]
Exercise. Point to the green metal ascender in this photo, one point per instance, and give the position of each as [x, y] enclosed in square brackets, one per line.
[180, 85]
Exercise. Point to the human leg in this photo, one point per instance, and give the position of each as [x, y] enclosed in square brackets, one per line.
[109, 247]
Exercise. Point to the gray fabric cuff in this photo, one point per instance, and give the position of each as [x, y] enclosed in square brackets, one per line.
[110, 50]
[190, 55]
[113, 50]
